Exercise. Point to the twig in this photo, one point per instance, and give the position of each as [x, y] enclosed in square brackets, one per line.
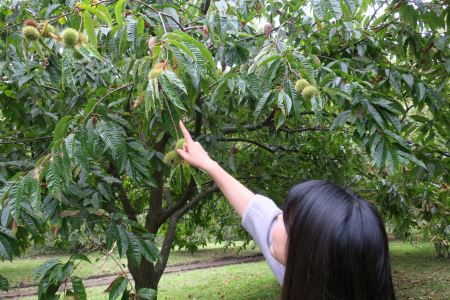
[246, 141]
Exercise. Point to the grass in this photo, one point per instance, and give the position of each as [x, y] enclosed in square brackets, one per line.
[417, 274]
[20, 271]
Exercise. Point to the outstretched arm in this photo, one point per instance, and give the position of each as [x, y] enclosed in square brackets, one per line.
[237, 194]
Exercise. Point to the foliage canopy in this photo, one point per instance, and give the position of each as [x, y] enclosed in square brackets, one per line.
[89, 114]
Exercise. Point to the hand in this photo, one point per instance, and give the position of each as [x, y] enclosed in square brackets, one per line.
[194, 153]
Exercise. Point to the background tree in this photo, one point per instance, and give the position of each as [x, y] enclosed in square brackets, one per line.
[277, 91]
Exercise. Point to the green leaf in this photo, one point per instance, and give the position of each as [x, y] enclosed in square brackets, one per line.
[90, 28]
[36, 194]
[67, 74]
[118, 287]
[296, 103]
[412, 158]
[78, 288]
[145, 293]
[409, 79]
[6, 251]
[203, 50]
[4, 285]
[119, 9]
[112, 135]
[171, 92]
[319, 7]
[336, 8]
[151, 252]
[80, 256]
[394, 80]
[89, 51]
[122, 240]
[120, 41]
[378, 155]
[100, 11]
[7, 232]
[340, 119]
[45, 267]
[53, 175]
[261, 103]
[60, 131]
[420, 89]
[375, 114]
[419, 118]
[135, 249]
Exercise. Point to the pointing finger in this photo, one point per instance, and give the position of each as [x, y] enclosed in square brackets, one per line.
[182, 154]
[185, 132]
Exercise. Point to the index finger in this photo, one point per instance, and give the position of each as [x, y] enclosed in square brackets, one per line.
[185, 132]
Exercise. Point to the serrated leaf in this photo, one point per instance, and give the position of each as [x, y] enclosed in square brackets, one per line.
[45, 267]
[78, 288]
[89, 51]
[118, 287]
[340, 119]
[295, 99]
[135, 249]
[261, 103]
[336, 8]
[79, 256]
[67, 67]
[7, 232]
[112, 135]
[375, 114]
[151, 252]
[412, 158]
[319, 7]
[122, 240]
[36, 194]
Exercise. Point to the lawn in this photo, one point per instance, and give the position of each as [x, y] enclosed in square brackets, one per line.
[20, 271]
[417, 273]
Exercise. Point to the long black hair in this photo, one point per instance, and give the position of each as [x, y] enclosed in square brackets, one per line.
[337, 246]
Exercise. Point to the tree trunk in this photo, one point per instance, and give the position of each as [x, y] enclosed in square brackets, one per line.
[144, 275]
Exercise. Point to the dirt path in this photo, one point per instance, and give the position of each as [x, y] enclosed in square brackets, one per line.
[106, 279]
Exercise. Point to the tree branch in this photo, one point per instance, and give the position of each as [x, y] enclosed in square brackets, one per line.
[165, 214]
[198, 117]
[166, 246]
[246, 141]
[205, 6]
[205, 193]
[156, 193]
[248, 127]
[123, 197]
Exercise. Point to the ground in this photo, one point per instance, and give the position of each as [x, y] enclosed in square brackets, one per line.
[417, 273]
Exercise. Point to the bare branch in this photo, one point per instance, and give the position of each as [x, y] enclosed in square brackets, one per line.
[246, 141]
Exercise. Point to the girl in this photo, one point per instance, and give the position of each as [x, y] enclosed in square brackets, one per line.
[326, 242]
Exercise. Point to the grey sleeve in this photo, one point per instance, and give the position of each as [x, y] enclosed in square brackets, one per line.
[258, 220]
